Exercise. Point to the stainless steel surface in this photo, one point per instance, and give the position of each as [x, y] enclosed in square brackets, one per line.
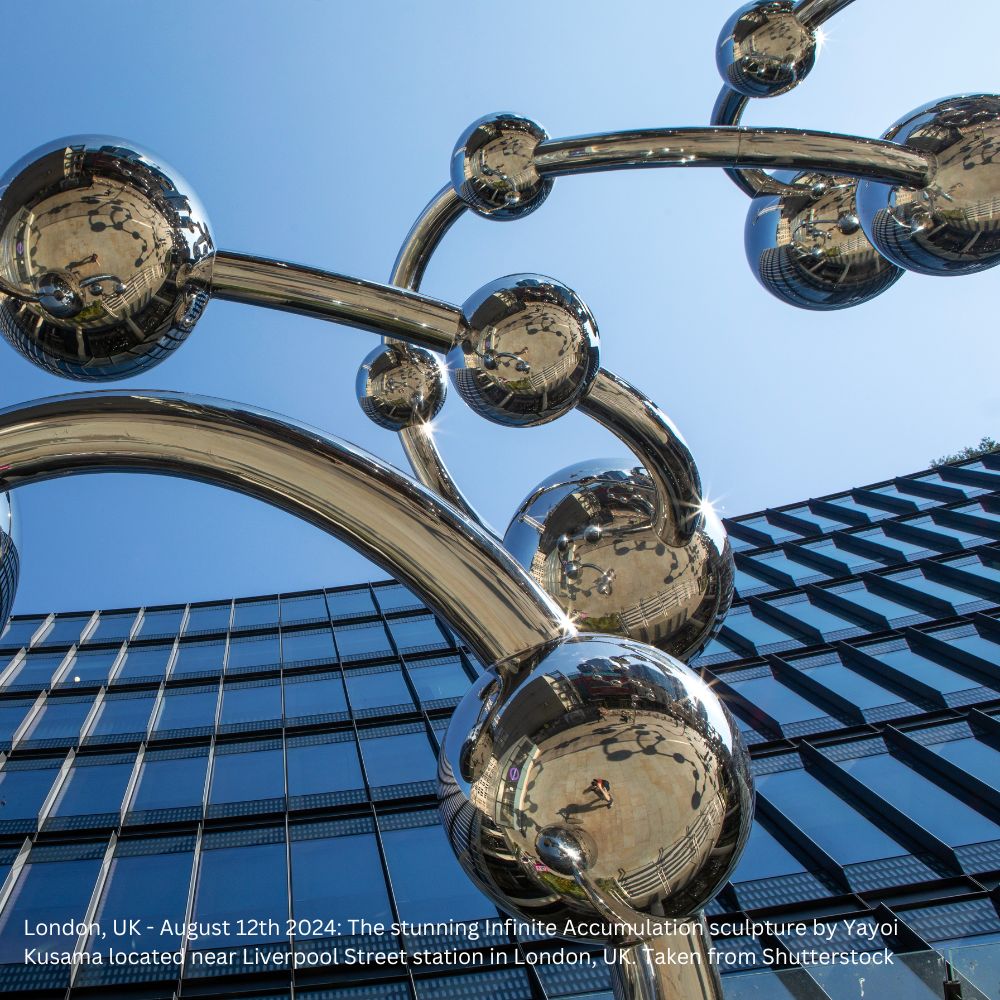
[952, 225]
[399, 386]
[96, 236]
[383, 309]
[493, 169]
[416, 537]
[816, 12]
[642, 972]
[9, 559]
[586, 534]
[738, 146]
[617, 764]
[765, 49]
[809, 249]
[651, 435]
[529, 352]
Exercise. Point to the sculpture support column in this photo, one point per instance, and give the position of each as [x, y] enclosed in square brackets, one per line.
[670, 967]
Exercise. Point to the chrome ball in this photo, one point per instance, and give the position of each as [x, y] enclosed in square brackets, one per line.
[518, 797]
[809, 249]
[764, 49]
[952, 226]
[529, 352]
[493, 167]
[96, 236]
[10, 564]
[586, 536]
[399, 386]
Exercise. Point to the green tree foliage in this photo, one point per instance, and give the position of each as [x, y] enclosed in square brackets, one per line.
[985, 446]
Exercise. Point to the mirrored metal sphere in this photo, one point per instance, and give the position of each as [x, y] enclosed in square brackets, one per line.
[952, 226]
[810, 251]
[607, 785]
[493, 167]
[529, 353]
[9, 560]
[586, 536]
[95, 238]
[764, 49]
[399, 386]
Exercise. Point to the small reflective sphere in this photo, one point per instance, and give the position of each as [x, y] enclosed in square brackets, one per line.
[520, 799]
[399, 386]
[96, 236]
[764, 49]
[809, 250]
[9, 560]
[952, 226]
[493, 167]
[586, 536]
[529, 353]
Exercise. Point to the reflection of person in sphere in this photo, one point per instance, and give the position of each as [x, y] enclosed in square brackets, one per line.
[603, 788]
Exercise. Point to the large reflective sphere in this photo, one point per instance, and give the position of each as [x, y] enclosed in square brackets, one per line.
[529, 353]
[809, 249]
[606, 785]
[764, 49]
[399, 386]
[586, 535]
[95, 237]
[9, 561]
[493, 167]
[952, 226]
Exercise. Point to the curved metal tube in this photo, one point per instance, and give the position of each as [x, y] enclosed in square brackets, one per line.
[424, 237]
[813, 13]
[451, 564]
[637, 975]
[383, 309]
[736, 146]
[652, 437]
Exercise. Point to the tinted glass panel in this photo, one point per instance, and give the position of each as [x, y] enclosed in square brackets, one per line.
[24, 792]
[186, 709]
[253, 652]
[395, 598]
[65, 630]
[123, 715]
[963, 535]
[59, 718]
[144, 661]
[239, 777]
[166, 622]
[35, 670]
[12, 714]
[881, 605]
[377, 690]
[111, 627]
[255, 613]
[781, 703]
[908, 548]
[212, 617]
[970, 755]
[423, 631]
[250, 704]
[439, 680]
[302, 609]
[318, 694]
[349, 602]
[391, 760]
[320, 891]
[312, 644]
[977, 645]
[756, 630]
[953, 595]
[764, 857]
[928, 671]
[198, 657]
[89, 667]
[93, 789]
[361, 640]
[18, 632]
[822, 620]
[170, 783]
[855, 560]
[323, 767]
[856, 688]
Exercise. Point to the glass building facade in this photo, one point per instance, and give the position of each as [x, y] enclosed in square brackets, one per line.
[265, 768]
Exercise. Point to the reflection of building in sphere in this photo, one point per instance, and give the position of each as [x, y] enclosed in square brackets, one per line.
[9, 560]
[809, 250]
[94, 246]
[951, 226]
[586, 536]
[530, 352]
[764, 49]
[400, 386]
[529, 827]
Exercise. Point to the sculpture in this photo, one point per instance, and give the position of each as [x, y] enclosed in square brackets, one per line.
[108, 262]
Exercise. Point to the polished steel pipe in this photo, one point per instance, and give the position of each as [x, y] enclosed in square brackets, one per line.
[673, 966]
[450, 564]
[736, 146]
[813, 13]
[393, 312]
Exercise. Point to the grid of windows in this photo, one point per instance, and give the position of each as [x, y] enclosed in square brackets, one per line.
[154, 756]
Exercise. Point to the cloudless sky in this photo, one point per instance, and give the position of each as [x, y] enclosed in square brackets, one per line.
[316, 130]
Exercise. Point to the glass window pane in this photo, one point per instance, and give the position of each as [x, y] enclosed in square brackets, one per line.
[437, 679]
[308, 607]
[756, 630]
[851, 504]
[320, 891]
[427, 880]
[978, 645]
[112, 627]
[855, 687]
[170, 782]
[240, 777]
[966, 537]
[158, 623]
[144, 662]
[906, 547]
[253, 614]
[23, 792]
[187, 708]
[89, 667]
[392, 760]
[395, 598]
[314, 768]
[983, 569]
[928, 671]
[764, 857]
[198, 658]
[978, 759]
[944, 815]
[781, 703]
[18, 631]
[359, 641]
[257, 652]
[343, 603]
[314, 694]
[92, 788]
[226, 895]
[250, 703]
[413, 633]
[879, 603]
[846, 835]
[123, 715]
[49, 894]
[35, 671]
[64, 630]
[825, 622]
[855, 560]
[59, 718]
[377, 690]
[308, 646]
[12, 714]
[208, 618]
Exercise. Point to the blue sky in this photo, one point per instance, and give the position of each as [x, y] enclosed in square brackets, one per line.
[316, 130]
